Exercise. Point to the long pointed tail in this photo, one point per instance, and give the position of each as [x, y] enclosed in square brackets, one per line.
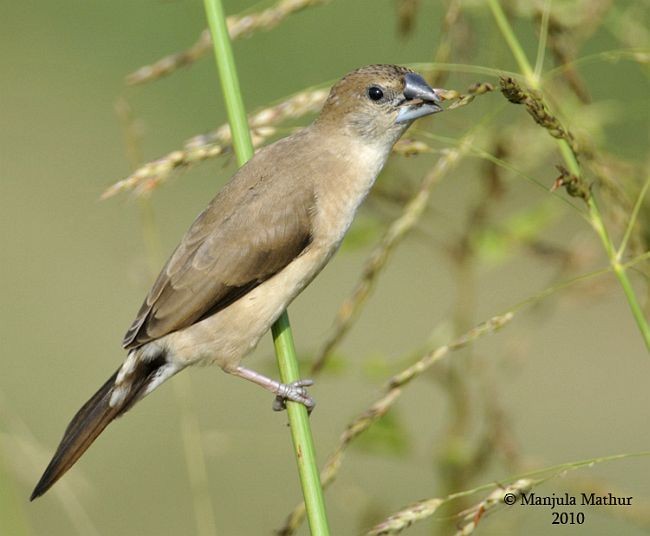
[96, 414]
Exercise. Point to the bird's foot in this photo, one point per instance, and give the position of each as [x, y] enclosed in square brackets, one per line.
[295, 392]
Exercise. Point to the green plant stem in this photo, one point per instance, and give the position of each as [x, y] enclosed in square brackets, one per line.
[241, 137]
[633, 217]
[301, 433]
[595, 216]
[619, 271]
[513, 43]
[283, 339]
[543, 36]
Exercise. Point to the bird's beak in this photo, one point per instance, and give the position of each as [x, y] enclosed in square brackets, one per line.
[420, 99]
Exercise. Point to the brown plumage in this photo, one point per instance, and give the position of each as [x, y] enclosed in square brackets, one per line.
[260, 241]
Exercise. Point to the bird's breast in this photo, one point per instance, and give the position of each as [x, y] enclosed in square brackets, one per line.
[342, 190]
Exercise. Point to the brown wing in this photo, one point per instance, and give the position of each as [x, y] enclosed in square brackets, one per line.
[251, 230]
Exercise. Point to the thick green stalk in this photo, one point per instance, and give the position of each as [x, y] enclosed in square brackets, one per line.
[595, 216]
[301, 433]
[283, 339]
[241, 137]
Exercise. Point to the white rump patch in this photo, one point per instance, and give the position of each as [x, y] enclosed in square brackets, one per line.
[118, 395]
[127, 368]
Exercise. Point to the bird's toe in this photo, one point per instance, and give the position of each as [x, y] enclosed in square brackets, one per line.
[294, 392]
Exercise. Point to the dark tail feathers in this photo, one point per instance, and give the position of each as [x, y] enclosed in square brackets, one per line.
[91, 419]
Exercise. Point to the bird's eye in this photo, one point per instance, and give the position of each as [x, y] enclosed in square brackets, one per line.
[375, 93]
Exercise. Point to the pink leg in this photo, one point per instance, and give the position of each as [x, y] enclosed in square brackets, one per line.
[294, 392]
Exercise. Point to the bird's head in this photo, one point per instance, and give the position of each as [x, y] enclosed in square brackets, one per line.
[378, 103]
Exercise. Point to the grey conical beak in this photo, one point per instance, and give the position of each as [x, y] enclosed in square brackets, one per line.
[420, 99]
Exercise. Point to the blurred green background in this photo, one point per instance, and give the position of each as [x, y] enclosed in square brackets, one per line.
[570, 374]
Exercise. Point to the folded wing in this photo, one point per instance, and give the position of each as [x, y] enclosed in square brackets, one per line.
[250, 231]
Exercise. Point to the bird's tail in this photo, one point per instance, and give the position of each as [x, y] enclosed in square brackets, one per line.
[135, 379]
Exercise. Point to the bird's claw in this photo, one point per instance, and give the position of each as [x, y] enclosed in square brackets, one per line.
[295, 392]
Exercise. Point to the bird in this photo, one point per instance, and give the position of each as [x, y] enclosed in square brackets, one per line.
[264, 237]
